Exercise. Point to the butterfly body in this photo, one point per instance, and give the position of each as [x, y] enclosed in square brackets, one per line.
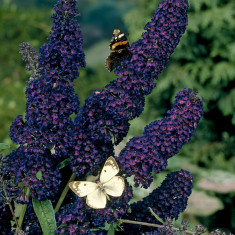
[98, 193]
[102, 188]
[119, 41]
[119, 47]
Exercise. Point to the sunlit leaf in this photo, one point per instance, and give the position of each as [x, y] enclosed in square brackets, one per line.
[46, 216]
[4, 146]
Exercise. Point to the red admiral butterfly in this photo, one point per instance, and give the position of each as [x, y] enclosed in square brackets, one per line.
[119, 47]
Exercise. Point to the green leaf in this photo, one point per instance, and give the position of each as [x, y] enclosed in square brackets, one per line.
[156, 216]
[111, 230]
[4, 146]
[46, 216]
[63, 163]
[39, 175]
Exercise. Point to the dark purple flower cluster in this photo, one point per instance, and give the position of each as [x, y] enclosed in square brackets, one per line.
[167, 201]
[5, 220]
[48, 110]
[95, 126]
[8, 189]
[31, 225]
[34, 170]
[8, 192]
[78, 218]
[63, 53]
[106, 114]
[162, 139]
[139, 158]
[179, 125]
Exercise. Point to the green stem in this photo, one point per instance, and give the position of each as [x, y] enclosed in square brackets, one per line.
[22, 213]
[122, 221]
[64, 193]
[13, 214]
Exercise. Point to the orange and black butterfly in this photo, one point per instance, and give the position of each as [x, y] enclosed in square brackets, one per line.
[119, 47]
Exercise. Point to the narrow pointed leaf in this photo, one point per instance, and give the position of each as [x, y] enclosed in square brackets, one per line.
[46, 216]
[63, 163]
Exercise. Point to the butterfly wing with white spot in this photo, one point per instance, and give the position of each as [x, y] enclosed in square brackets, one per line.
[109, 170]
[96, 199]
[83, 188]
[115, 186]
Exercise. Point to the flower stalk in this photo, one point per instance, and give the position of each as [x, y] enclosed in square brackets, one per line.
[64, 193]
[11, 209]
[122, 221]
[23, 210]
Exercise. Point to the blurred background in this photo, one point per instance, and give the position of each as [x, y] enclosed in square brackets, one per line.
[204, 61]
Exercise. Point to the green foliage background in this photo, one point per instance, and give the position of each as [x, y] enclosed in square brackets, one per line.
[16, 26]
[204, 61]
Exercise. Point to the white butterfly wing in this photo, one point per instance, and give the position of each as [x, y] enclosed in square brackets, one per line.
[115, 186]
[109, 170]
[96, 199]
[83, 188]
[97, 193]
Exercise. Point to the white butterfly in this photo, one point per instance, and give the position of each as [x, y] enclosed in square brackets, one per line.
[97, 194]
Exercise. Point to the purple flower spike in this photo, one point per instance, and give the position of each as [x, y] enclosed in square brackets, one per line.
[51, 98]
[162, 139]
[179, 125]
[48, 111]
[167, 201]
[46, 135]
[106, 114]
[63, 51]
[25, 164]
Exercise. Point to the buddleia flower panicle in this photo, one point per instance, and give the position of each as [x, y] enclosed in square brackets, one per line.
[63, 52]
[162, 139]
[167, 201]
[106, 114]
[46, 134]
